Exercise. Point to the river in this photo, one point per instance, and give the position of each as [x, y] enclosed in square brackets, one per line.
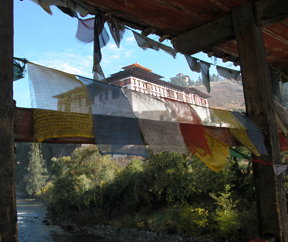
[31, 213]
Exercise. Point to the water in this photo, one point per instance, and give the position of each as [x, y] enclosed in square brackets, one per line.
[31, 213]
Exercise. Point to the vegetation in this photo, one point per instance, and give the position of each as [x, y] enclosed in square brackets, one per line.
[181, 80]
[34, 175]
[166, 193]
[178, 81]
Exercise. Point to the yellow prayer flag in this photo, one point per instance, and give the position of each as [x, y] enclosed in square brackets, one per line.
[219, 151]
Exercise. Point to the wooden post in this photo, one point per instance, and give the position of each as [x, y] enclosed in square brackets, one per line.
[8, 213]
[271, 200]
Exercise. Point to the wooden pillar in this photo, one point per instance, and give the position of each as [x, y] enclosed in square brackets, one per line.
[271, 200]
[8, 213]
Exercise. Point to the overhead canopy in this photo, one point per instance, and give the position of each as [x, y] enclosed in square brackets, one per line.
[202, 25]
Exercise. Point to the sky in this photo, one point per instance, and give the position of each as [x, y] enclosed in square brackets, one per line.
[50, 41]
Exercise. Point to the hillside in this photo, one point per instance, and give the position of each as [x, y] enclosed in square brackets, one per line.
[226, 95]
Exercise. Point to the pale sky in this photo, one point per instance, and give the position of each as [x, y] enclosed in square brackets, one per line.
[50, 41]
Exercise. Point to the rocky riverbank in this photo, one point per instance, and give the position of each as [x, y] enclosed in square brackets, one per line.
[128, 235]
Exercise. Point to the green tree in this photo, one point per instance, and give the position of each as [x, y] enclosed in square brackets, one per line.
[178, 82]
[199, 81]
[36, 175]
[22, 158]
[190, 82]
[214, 78]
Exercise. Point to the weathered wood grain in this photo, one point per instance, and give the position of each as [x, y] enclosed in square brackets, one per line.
[221, 30]
[268, 12]
[270, 193]
[205, 36]
[8, 213]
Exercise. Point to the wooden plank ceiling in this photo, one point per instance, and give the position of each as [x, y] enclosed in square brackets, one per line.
[202, 25]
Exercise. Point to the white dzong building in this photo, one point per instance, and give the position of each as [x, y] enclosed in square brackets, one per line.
[141, 79]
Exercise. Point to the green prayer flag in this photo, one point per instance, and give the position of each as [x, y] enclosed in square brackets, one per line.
[237, 154]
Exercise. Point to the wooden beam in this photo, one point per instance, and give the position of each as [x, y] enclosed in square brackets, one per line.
[23, 128]
[8, 213]
[269, 12]
[270, 192]
[23, 131]
[205, 36]
[217, 32]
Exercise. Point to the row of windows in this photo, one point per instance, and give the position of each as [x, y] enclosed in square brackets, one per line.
[149, 88]
[195, 99]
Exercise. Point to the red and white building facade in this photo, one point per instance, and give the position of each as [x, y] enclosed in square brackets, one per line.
[138, 78]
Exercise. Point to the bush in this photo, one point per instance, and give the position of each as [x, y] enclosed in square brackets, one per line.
[226, 215]
[76, 179]
[168, 193]
[188, 221]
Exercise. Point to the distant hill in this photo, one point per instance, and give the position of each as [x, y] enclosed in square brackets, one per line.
[226, 95]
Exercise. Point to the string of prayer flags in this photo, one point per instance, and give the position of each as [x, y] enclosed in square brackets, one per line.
[85, 30]
[69, 4]
[93, 30]
[229, 73]
[263, 162]
[200, 66]
[117, 30]
[193, 63]
[278, 169]
[58, 91]
[205, 66]
[68, 11]
[191, 127]
[145, 43]
[158, 123]
[121, 116]
[226, 119]
[253, 131]
[219, 151]
[115, 125]
[196, 65]
[240, 155]
[101, 38]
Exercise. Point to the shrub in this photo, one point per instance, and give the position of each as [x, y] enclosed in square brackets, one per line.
[189, 221]
[226, 216]
[76, 179]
